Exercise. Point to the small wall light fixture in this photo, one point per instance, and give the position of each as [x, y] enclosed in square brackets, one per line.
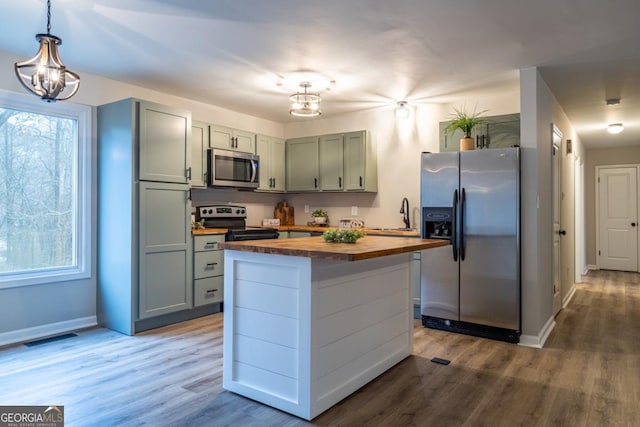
[402, 110]
[45, 75]
[614, 128]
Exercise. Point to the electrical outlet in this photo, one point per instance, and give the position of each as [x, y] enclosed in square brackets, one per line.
[306, 208]
[354, 210]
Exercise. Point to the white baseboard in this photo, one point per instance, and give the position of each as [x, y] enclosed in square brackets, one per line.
[570, 294]
[591, 267]
[539, 340]
[41, 331]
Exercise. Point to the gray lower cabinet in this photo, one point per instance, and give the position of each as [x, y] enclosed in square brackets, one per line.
[208, 270]
[165, 252]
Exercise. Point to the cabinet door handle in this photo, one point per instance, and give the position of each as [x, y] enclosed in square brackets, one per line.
[315, 182]
[360, 182]
[210, 244]
[211, 264]
[189, 174]
[211, 291]
[339, 182]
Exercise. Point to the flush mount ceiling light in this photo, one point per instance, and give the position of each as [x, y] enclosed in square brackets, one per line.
[45, 75]
[402, 110]
[305, 104]
[615, 128]
[613, 101]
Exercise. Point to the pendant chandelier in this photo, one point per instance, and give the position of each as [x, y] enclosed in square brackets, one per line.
[45, 75]
[305, 104]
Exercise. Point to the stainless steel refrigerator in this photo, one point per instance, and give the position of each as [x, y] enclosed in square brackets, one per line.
[472, 199]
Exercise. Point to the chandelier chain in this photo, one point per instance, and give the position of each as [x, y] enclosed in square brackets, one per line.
[48, 16]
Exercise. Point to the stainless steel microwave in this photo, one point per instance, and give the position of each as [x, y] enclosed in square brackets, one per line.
[232, 169]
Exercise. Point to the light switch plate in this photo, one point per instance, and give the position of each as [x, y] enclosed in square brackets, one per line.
[306, 208]
[354, 210]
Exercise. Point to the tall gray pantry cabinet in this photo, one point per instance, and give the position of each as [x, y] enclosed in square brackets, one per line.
[144, 215]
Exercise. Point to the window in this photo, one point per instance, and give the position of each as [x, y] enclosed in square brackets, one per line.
[45, 184]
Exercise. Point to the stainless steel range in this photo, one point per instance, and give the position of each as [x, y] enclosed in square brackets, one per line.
[234, 219]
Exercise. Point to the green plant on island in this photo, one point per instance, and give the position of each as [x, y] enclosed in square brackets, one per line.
[334, 235]
[464, 121]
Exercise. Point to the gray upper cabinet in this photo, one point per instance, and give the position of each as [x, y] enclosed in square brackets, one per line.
[164, 142]
[337, 162]
[199, 146]
[232, 139]
[302, 167]
[360, 163]
[331, 162]
[272, 170]
[144, 225]
[495, 132]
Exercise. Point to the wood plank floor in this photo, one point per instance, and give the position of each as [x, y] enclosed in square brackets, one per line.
[588, 374]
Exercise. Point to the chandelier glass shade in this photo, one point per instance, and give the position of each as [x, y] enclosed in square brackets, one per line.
[45, 75]
[305, 104]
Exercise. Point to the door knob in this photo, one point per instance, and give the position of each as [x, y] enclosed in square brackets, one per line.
[562, 232]
[633, 224]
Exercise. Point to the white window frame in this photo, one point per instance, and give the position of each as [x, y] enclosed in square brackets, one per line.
[83, 217]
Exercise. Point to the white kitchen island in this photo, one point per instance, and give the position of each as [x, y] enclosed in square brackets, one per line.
[307, 323]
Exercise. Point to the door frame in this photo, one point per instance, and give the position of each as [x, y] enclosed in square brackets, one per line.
[556, 183]
[597, 202]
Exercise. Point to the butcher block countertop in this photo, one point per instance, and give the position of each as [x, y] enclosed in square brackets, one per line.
[315, 247]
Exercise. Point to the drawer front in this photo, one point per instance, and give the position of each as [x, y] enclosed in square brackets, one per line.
[208, 264]
[208, 291]
[207, 243]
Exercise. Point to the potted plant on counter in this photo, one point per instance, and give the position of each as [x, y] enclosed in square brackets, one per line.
[320, 216]
[465, 122]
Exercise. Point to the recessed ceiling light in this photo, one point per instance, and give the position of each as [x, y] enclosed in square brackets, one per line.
[613, 101]
[615, 128]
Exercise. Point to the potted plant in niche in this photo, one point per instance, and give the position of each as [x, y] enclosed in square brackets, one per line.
[320, 216]
[465, 122]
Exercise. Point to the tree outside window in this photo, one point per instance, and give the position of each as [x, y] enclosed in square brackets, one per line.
[38, 186]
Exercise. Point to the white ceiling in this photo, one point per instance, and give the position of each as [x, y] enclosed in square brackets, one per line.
[249, 55]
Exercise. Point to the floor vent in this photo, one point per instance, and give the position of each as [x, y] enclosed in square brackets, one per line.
[50, 339]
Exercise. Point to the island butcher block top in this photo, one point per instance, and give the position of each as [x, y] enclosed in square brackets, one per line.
[315, 247]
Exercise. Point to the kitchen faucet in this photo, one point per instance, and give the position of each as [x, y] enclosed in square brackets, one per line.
[404, 209]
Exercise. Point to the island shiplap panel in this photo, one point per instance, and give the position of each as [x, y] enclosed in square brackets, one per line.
[361, 317]
[264, 361]
[270, 327]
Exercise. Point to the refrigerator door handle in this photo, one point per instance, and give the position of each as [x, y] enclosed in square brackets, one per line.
[454, 237]
[463, 202]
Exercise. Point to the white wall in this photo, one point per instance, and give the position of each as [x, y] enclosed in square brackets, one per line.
[539, 111]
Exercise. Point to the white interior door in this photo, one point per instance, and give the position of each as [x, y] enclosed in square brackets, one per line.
[557, 294]
[617, 219]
